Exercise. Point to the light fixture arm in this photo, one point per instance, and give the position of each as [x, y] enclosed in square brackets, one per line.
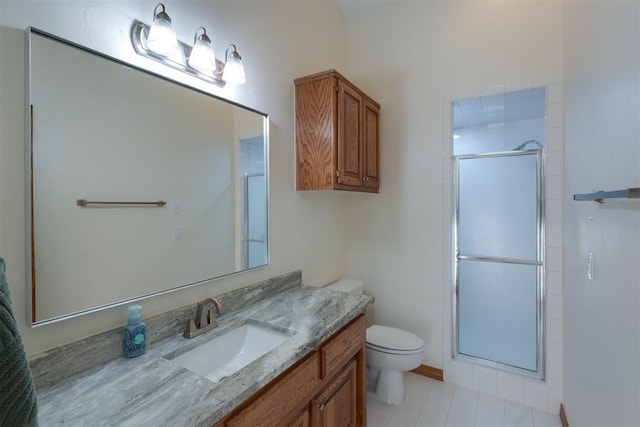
[235, 52]
[202, 36]
[162, 14]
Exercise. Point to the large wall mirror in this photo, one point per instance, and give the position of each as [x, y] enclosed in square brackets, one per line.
[138, 185]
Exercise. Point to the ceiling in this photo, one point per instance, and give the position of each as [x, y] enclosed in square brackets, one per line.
[499, 108]
[355, 8]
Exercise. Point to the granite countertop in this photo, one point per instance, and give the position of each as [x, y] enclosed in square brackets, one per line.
[151, 390]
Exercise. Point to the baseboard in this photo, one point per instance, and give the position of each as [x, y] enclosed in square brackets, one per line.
[563, 416]
[430, 372]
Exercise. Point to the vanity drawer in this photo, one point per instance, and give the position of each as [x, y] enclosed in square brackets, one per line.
[337, 352]
[284, 395]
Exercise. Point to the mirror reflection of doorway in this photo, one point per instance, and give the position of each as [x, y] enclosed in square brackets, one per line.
[499, 230]
[254, 233]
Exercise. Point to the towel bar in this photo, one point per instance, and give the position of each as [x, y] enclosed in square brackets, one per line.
[84, 202]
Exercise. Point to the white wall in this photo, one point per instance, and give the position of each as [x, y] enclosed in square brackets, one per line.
[436, 51]
[400, 240]
[602, 142]
[278, 41]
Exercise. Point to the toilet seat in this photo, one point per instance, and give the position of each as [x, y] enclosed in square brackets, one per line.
[393, 351]
[393, 341]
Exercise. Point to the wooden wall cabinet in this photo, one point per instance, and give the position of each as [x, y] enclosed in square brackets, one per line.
[337, 144]
[327, 388]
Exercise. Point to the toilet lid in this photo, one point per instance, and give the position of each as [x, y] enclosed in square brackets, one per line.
[393, 339]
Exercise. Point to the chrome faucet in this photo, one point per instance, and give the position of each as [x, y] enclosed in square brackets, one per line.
[205, 318]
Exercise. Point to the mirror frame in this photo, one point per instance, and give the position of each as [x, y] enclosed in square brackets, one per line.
[30, 247]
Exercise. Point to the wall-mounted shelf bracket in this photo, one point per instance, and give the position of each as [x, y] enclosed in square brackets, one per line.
[599, 196]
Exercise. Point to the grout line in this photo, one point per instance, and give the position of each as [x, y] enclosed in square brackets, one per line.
[423, 397]
[424, 403]
[475, 415]
[504, 413]
[455, 388]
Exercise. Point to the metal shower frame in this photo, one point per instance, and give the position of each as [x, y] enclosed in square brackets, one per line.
[539, 373]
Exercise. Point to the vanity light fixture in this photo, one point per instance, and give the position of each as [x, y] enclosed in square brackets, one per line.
[162, 38]
[202, 57]
[159, 43]
[233, 69]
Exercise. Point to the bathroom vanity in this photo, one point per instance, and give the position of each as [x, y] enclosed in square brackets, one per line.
[315, 377]
[326, 388]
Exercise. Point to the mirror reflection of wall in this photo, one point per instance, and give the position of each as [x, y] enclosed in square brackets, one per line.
[105, 131]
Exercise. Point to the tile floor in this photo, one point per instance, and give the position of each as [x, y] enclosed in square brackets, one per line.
[434, 403]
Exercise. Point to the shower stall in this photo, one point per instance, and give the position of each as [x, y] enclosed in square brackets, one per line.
[498, 243]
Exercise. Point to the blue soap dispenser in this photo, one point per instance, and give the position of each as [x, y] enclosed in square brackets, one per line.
[134, 336]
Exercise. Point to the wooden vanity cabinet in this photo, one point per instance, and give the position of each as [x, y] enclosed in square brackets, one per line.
[336, 405]
[326, 388]
[281, 402]
[336, 135]
[303, 419]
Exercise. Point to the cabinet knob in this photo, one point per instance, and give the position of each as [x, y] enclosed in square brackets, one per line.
[321, 407]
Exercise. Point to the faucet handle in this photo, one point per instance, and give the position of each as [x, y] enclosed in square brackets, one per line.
[190, 330]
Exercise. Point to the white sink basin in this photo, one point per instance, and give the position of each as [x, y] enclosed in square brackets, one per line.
[230, 352]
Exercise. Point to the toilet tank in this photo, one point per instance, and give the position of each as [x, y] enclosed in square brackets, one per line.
[350, 286]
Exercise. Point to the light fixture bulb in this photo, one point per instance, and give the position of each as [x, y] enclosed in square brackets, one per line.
[233, 69]
[202, 57]
[162, 38]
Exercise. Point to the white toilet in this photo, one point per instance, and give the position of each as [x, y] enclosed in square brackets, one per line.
[390, 352]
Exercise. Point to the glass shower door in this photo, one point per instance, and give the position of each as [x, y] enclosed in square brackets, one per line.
[255, 232]
[254, 251]
[498, 236]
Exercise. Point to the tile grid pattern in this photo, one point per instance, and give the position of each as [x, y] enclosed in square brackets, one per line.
[434, 403]
[543, 395]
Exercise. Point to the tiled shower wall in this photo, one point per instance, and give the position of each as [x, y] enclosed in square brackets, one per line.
[545, 395]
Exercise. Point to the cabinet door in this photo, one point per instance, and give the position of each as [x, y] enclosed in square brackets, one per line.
[336, 405]
[350, 105]
[370, 146]
[302, 420]
[315, 134]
